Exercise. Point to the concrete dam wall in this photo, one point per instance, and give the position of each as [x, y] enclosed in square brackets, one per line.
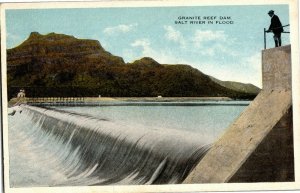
[258, 146]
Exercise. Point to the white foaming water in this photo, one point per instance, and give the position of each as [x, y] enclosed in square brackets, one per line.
[110, 145]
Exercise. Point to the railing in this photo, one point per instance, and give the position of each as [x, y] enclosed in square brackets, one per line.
[265, 31]
[56, 101]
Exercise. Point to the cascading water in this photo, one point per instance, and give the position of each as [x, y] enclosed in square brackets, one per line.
[68, 148]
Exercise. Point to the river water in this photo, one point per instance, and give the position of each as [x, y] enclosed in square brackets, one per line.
[115, 143]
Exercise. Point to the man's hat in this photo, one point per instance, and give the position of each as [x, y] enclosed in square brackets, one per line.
[271, 12]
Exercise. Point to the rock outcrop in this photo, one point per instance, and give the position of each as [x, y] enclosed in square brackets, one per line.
[62, 65]
[58, 49]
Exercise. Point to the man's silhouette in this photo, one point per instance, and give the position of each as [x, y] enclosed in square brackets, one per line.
[275, 27]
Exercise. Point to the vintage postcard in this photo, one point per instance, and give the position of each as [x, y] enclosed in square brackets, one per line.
[150, 96]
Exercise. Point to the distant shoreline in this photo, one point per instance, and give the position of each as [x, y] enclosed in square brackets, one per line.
[16, 101]
[157, 99]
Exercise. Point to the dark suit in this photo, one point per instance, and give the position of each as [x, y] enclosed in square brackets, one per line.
[277, 29]
[276, 25]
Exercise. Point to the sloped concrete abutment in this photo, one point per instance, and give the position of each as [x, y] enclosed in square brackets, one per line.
[258, 146]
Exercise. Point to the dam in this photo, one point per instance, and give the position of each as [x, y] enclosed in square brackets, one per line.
[83, 148]
[258, 146]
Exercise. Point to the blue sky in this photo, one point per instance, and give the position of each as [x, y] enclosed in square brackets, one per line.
[225, 51]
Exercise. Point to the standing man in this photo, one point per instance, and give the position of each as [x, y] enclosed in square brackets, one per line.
[275, 27]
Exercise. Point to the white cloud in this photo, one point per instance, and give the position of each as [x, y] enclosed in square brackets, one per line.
[141, 42]
[174, 35]
[246, 70]
[13, 40]
[207, 36]
[122, 28]
[212, 42]
[254, 63]
[163, 56]
[206, 42]
[129, 55]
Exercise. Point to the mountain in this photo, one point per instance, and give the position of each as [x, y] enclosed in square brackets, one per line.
[62, 65]
[58, 50]
[237, 86]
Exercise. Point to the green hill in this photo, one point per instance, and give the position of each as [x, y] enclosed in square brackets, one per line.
[60, 65]
[247, 88]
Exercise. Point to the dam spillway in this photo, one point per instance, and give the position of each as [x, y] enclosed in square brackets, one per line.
[109, 145]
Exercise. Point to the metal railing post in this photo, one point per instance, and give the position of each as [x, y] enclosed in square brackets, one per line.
[265, 31]
[265, 42]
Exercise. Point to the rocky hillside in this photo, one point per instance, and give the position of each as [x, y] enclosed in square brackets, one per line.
[248, 88]
[56, 51]
[61, 65]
